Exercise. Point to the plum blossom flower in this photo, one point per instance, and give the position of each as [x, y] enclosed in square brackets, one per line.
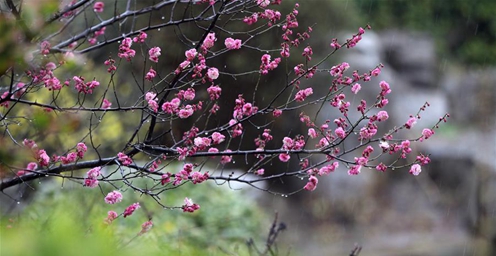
[91, 177]
[145, 227]
[260, 172]
[111, 216]
[150, 74]
[340, 133]
[311, 184]
[382, 116]
[113, 197]
[189, 206]
[356, 88]
[426, 133]
[154, 53]
[81, 149]
[232, 44]
[217, 138]
[213, 73]
[415, 169]
[209, 41]
[354, 170]
[411, 122]
[186, 112]
[130, 209]
[312, 133]
[98, 7]
[191, 54]
[43, 158]
[284, 157]
[226, 159]
[106, 104]
[124, 159]
[303, 94]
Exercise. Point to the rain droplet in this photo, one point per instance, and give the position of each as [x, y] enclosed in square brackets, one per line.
[158, 29]
[193, 43]
[163, 17]
[18, 202]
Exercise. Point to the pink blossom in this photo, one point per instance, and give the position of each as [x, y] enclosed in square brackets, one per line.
[260, 172]
[189, 94]
[43, 158]
[427, 133]
[277, 113]
[30, 144]
[302, 94]
[130, 209]
[198, 177]
[361, 160]
[356, 88]
[226, 159]
[191, 54]
[186, 112]
[325, 170]
[71, 157]
[415, 169]
[31, 166]
[217, 138]
[284, 157]
[232, 44]
[209, 41]
[94, 173]
[354, 170]
[106, 104]
[98, 7]
[113, 197]
[172, 106]
[214, 91]
[384, 145]
[111, 216]
[385, 88]
[91, 183]
[81, 149]
[381, 167]
[154, 53]
[166, 178]
[263, 3]
[382, 116]
[45, 47]
[145, 227]
[140, 38]
[189, 206]
[125, 50]
[311, 184]
[150, 96]
[150, 74]
[202, 143]
[213, 73]
[376, 72]
[124, 159]
[411, 122]
[312, 133]
[340, 133]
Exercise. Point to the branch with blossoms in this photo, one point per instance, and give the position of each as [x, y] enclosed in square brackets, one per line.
[146, 112]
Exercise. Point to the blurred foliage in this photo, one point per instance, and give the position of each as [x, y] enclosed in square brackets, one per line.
[464, 29]
[68, 219]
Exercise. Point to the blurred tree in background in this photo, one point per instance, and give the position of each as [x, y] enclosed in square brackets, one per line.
[464, 30]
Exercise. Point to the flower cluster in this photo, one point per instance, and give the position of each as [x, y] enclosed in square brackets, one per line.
[91, 177]
[189, 206]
